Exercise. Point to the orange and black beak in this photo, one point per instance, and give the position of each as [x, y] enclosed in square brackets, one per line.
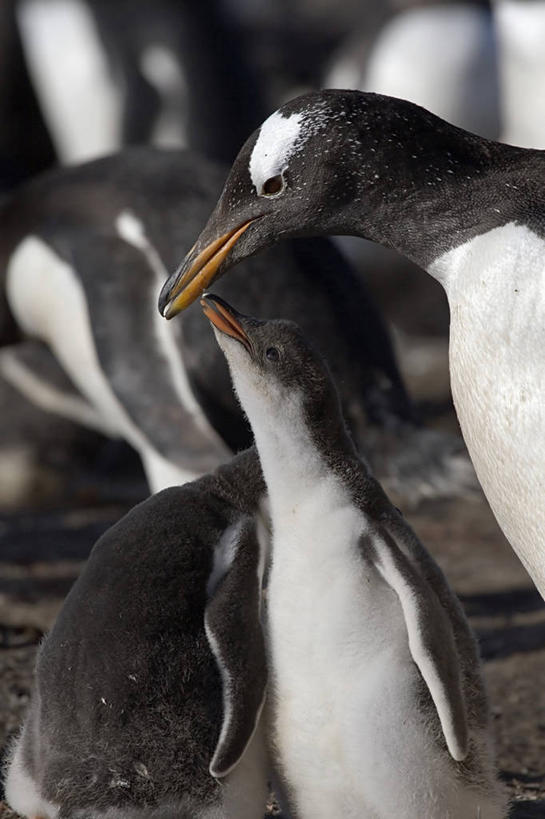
[197, 272]
[225, 318]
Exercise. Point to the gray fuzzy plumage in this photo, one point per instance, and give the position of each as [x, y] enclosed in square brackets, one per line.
[129, 702]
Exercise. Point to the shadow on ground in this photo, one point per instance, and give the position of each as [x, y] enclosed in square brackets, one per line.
[528, 810]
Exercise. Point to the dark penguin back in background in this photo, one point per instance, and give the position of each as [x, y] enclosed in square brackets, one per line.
[171, 193]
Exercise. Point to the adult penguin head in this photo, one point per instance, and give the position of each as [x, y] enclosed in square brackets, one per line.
[286, 181]
[342, 162]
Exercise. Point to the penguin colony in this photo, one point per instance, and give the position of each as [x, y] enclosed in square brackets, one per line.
[360, 633]
[86, 241]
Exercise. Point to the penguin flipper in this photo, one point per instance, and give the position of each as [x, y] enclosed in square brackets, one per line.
[140, 341]
[233, 628]
[431, 638]
[33, 370]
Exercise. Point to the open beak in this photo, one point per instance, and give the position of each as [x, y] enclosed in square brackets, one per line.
[225, 318]
[195, 275]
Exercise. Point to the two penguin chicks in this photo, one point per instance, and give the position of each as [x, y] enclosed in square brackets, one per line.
[167, 689]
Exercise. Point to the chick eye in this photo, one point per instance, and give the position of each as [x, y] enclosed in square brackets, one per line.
[272, 354]
[273, 185]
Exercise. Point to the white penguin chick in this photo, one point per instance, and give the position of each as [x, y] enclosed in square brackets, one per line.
[377, 708]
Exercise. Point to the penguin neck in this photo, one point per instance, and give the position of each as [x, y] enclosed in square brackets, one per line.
[299, 451]
[422, 186]
[431, 222]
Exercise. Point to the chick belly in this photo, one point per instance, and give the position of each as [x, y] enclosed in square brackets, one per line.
[353, 730]
[335, 630]
[357, 747]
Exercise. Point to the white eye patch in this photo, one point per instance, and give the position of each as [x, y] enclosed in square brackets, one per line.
[274, 147]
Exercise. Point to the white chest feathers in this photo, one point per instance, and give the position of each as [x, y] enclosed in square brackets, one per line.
[350, 732]
[496, 290]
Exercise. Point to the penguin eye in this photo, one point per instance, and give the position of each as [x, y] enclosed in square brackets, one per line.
[272, 354]
[273, 185]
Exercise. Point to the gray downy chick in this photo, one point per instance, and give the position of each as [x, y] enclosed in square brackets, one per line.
[150, 686]
[377, 706]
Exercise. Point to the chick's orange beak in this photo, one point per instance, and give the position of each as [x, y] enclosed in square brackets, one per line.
[225, 319]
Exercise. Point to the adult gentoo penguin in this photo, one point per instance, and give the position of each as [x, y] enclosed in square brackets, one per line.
[85, 251]
[377, 707]
[469, 210]
[150, 686]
